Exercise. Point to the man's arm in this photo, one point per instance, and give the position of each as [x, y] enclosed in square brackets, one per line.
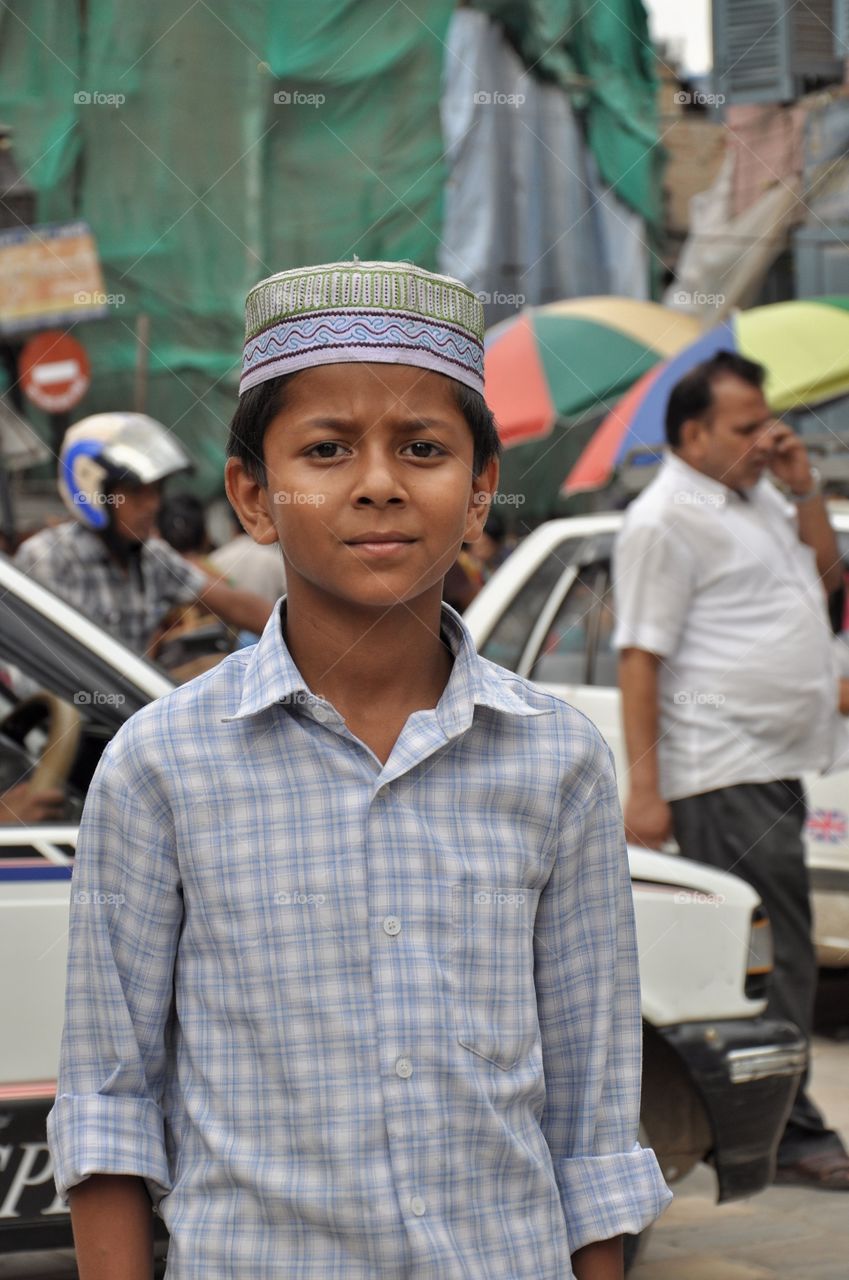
[240, 609]
[600, 1261]
[843, 696]
[815, 530]
[647, 817]
[113, 1228]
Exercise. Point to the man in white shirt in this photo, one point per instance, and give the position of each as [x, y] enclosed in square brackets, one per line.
[729, 687]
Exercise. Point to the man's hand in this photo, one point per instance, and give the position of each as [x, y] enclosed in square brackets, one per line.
[22, 804]
[789, 461]
[790, 464]
[648, 819]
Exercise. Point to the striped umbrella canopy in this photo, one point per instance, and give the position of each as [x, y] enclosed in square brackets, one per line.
[804, 346]
[565, 359]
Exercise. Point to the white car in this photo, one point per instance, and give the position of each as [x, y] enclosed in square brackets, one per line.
[718, 1077]
[556, 586]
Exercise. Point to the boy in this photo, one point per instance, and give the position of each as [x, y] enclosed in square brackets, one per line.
[369, 1005]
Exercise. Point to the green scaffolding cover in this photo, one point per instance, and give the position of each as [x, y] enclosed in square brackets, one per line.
[242, 138]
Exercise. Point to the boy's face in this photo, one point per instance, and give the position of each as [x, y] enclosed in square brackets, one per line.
[370, 488]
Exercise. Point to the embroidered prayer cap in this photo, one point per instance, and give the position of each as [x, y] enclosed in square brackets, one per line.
[387, 312]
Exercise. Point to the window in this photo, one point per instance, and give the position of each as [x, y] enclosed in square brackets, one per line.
[565, 653]
[508, 638]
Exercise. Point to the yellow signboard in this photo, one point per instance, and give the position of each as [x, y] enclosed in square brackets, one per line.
[49, 275]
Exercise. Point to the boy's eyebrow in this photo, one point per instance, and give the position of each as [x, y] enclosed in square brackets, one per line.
[352, 425]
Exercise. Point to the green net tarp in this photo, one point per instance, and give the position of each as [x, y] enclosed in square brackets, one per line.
[253, 136]
[250, 136]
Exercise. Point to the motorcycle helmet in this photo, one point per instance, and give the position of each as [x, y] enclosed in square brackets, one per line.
[109, 449]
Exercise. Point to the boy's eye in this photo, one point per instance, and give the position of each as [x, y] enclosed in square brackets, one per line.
[425, 449]
[324, 449]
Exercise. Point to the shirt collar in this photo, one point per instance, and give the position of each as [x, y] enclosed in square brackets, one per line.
[271, 676]
[698, 481]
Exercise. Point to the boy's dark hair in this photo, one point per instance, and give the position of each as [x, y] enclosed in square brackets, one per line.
[259, 405]
[692, 397]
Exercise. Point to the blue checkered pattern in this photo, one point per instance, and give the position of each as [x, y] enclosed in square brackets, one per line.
[74, 563]
[353, 1020]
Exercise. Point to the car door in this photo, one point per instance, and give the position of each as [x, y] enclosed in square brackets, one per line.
[571, 652]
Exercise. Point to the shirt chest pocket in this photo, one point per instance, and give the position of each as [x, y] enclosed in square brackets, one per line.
[491, 963]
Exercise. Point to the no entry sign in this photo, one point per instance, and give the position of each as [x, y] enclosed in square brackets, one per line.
[54, 371]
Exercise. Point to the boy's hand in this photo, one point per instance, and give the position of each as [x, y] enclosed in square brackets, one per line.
[600, 1261]
[112, 1219]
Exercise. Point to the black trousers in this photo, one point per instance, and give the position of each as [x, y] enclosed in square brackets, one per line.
[755, 831]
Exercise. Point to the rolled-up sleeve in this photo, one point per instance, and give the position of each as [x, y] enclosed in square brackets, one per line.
[125, 918]
[588, 1001]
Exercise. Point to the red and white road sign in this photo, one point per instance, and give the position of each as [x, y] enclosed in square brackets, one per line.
[54, 370]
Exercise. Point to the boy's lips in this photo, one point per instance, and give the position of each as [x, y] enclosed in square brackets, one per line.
[389, 535]
[381, 544]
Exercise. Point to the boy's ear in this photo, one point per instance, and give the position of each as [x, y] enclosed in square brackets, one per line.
[250, 501]
[480, 500]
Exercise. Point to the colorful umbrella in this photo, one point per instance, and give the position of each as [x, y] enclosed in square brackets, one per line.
[804, 346]
[567, 358]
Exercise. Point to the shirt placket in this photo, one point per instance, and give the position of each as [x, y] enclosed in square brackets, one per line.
[406, 915]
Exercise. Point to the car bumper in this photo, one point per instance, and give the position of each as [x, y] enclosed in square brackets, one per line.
[747, 1073]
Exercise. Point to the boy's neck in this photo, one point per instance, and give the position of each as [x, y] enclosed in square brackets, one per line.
[375, 668]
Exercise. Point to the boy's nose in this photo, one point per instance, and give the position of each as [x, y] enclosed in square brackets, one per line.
[378, 482]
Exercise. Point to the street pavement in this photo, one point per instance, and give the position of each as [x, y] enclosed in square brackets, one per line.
[785, 1233]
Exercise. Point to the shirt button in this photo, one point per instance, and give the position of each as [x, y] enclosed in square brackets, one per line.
[417, 1205]
[391, 925]
[404, 1068]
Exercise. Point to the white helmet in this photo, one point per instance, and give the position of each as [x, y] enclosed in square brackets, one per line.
[113, 448]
